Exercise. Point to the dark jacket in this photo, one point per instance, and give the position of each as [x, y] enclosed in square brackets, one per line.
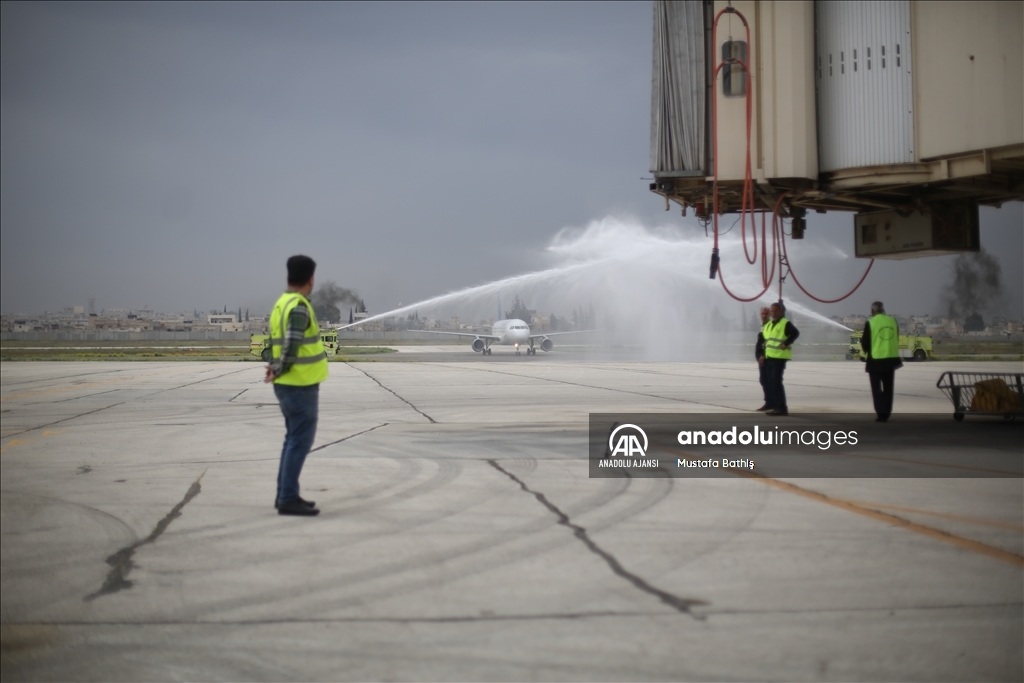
[879, 364]
[791, 333]
[759, 346]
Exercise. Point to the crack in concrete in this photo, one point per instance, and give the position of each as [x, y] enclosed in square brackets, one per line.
[432, 420]
[350, 436]
[121, 562]
[674, 601]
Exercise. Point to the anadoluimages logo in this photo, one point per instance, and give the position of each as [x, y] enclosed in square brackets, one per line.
[628, 444]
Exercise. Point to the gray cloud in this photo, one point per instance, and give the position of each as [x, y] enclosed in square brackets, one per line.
[174, 155]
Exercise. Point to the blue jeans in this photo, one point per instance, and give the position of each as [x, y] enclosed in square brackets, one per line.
[299, 406]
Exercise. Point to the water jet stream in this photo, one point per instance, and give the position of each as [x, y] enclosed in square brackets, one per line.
[647, 287]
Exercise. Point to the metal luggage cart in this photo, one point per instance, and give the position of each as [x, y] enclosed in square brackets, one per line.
[962, 388]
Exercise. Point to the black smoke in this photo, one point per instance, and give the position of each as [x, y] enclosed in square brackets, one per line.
[325, 300]
[977, 286]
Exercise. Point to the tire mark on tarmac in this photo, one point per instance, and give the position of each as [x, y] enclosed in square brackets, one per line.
[63, 377]
[535, 616]
[674, 601]
[121, 561]
[457, 562]
[407, 402]
[50, 424]
[74, 398]
[793, 381]
[591, 386]
[199, 381]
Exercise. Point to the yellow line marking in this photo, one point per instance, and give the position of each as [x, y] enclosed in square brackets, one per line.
[860, 509]
[52, 432]
[943, 515]
[865, 510]
[15, 442]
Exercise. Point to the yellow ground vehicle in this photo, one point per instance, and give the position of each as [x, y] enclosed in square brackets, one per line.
[911, 347]
[259, 344]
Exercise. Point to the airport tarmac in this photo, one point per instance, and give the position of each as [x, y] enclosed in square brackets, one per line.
[461, 538]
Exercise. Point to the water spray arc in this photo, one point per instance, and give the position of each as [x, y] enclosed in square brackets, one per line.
[651, 295]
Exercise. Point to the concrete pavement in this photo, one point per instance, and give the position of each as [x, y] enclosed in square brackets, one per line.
[461, 538]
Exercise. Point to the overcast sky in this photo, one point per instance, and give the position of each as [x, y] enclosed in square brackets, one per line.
[174, 155]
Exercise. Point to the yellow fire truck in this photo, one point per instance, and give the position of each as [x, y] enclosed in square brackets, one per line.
[259, 344]
[911, 347]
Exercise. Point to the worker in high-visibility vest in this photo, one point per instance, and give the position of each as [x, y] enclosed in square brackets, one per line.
[298, 366]
[880, 344]
[779, 335]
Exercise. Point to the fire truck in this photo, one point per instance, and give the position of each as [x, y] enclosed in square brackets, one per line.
[259, 344]
[911, 347]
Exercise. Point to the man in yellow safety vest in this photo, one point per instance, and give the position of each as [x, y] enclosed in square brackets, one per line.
[298, 366]
[779, 335]
[880, 344]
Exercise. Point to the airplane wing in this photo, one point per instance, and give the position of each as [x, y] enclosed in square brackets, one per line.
[475, 335]
[558, 334]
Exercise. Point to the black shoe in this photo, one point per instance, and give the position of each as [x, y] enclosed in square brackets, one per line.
[297, 507]
[778, 413]
[881, 419]
[300, 499]
[764, 408]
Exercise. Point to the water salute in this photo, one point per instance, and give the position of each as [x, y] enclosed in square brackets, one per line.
[626, 341]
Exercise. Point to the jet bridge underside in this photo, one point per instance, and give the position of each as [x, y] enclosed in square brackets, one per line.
[853, 106]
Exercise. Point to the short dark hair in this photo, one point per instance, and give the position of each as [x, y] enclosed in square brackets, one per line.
[300, 270]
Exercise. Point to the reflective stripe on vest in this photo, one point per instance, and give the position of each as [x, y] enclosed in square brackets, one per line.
[279, 341]
[310, 365]
[774, 336]
[885, 337]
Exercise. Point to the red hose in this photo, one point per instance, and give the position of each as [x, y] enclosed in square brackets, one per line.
[747, 198]
[823, 301]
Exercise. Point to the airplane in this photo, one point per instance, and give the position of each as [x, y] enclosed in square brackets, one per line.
[509, 332]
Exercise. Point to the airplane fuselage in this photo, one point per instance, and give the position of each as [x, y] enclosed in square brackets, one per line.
[511, 332]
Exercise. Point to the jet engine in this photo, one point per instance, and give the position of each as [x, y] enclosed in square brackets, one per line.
[547, 344]
[478, 345]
